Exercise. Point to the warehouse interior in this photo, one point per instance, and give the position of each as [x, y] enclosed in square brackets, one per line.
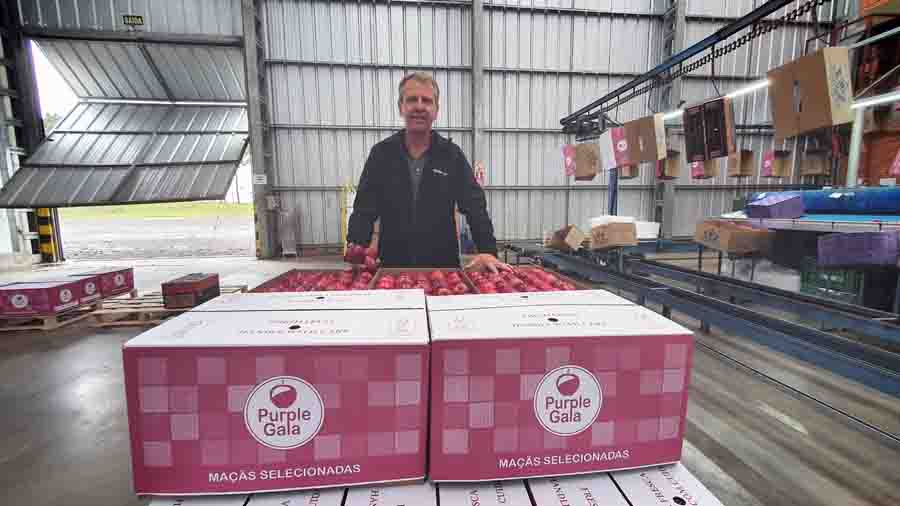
[774, 243]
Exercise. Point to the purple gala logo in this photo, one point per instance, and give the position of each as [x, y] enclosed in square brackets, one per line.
[567, 384]
[283, 396]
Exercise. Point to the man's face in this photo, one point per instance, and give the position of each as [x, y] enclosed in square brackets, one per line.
[418, 106]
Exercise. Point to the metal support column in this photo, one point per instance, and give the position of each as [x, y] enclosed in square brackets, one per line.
[856, 139]
[47, 235]
[264, 218]
[613, 192]
[478, 150]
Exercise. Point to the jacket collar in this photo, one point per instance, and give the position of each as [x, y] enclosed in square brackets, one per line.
[437, 140]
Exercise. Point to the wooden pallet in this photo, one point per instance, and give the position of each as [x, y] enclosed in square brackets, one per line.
[52, 322]
[142, 311]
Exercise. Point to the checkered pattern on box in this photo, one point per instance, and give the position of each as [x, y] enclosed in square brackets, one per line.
[487, 390]
[190, 405]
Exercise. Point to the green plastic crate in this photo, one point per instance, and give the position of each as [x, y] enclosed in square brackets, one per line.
[845, 285]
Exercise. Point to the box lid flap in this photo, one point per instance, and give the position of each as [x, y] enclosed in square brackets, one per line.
[499, 493]
[327, 497]
[642, 486]
[547, 321]
[315, 301]
[587, 489]
[288, 328]
[569, 298]
[418, 494]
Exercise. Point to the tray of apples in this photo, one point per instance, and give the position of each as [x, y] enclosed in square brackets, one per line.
[437, 282]
[522, 279]
[299, 280]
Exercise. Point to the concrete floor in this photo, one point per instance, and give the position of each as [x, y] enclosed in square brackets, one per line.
[64, 436]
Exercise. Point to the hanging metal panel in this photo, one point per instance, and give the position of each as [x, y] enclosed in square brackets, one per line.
[104, 153]
[207, 17]
[125, 70]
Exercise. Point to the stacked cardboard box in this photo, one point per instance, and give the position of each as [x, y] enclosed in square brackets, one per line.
[553, 384]
[733, 238]
[41, 298]
[270, 391]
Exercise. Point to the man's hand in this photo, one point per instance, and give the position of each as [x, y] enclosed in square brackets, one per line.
[485, 262]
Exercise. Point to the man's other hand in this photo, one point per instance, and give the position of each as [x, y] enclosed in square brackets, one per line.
[489, 263]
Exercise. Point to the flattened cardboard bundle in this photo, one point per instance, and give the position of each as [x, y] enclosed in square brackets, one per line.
[589, 490]
[777, 163]
[567, 239]
[613, 234]
[549, 384]
[415, 494]
[663, 484]
[741, 163]
[732, 238]
[498, 493]
[812, 92]
[587, 161]
[328, 392]
[329, 497]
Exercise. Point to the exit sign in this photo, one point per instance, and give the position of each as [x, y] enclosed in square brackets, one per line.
[133, 20]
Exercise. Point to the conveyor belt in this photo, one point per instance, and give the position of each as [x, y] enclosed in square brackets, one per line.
[865, 364]
[860, 319]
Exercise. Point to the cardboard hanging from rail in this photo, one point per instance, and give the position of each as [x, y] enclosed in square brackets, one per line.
[815, 163]
[879, 8]
[811, 92]
[709, 131]
[639, 141]
[670, 167]
[587, 161]
[741, 163]
[704, 170]
[777, 163]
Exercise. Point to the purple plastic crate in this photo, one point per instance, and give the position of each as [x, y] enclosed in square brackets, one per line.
[777, 206]
[864, 248]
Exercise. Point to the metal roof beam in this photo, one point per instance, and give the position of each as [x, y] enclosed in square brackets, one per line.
[147, 37]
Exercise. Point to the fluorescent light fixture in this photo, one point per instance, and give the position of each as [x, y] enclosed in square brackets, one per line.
[880, 99]
[673, 115]
[749, 89]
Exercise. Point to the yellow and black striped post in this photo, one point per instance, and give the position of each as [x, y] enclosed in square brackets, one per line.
[46, 235]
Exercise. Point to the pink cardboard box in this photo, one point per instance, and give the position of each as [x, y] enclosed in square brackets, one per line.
[328, 392]
[553, 384]
[40, 298]
[113, 280]
[89, 286]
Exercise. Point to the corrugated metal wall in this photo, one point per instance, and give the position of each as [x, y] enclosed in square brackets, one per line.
[333, 68]
[207, 17]
[746, 65]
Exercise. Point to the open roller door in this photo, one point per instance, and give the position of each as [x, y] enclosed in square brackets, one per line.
[120, 151]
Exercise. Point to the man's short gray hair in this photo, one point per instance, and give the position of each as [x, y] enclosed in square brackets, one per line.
[423, 78]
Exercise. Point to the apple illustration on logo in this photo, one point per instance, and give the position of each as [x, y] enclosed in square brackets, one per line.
[567, 384]
[282, 396]
[119, 280]
[90, 288]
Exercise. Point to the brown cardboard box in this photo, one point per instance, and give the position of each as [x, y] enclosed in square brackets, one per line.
[777, 163]
[646, 139]
[670, 167]
[730, 237]
[879, 7]
[587, 161]
[704, 170]
[815, 163]
[613, 235]
[629, 171]
[812, 92]
[694, 136]
[741, 163]
[567, 239]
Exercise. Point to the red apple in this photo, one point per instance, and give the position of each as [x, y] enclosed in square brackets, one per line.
[442, 292]
[453, 278]
[372, 252]
[370, 265]
[460, 289]
[436, 276]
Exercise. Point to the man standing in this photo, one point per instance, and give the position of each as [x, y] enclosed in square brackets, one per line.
[413, 181]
